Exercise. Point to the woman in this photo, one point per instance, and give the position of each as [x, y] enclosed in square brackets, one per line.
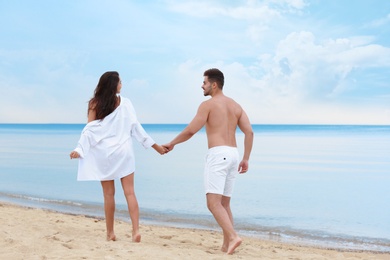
[105, 148]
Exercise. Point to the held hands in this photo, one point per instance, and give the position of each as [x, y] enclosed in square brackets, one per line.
[74, 155]
[168, 146]
[163, 149]
[160, 149]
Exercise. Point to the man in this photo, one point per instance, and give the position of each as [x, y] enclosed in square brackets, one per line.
[221, 115]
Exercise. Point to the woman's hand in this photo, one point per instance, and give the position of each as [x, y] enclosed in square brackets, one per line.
[160, 149]
[74, 155]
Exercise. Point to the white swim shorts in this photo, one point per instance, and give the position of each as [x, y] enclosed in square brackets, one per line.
[221, 170]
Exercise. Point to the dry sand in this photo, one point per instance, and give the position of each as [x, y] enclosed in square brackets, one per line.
[29, 233]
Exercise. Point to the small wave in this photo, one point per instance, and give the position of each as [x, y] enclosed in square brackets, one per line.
[45, 200]
[316, 238]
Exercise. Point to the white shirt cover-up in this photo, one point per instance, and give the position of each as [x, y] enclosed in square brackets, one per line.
[106, 146]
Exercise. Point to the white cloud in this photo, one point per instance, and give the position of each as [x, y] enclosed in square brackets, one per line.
[257, 33]
[302, 68]
[291, 5]
[379, 22]
[252, 10]
[372, 55]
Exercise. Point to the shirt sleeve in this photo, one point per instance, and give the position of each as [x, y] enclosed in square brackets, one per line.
[83, 145]
[139, 133]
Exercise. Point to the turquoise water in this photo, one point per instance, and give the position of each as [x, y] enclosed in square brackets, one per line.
[322, 185]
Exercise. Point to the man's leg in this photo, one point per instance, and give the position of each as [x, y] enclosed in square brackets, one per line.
[132, 204]
[109, 207]
[226, 204]
[221, 215]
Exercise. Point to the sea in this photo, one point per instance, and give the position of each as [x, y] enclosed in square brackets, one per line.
[318, 185]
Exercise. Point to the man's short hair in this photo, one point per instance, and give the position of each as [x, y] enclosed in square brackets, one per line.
[215, 75]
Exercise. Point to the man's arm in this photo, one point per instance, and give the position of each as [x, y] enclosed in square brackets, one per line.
[192, 128]
[246, 128]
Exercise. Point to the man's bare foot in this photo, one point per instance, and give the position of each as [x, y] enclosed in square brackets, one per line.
[111, 237]
[233, 244]
[137, 238]
[224, 247]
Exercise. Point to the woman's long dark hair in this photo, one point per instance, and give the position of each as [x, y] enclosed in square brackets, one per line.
[104, 100]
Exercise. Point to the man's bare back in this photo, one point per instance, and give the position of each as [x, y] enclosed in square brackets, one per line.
[223, 117]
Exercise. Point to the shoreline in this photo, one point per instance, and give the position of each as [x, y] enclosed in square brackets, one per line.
[204, 222]
[30, 232]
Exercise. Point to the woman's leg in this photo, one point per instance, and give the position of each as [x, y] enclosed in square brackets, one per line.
[109, 207]
[132, 204]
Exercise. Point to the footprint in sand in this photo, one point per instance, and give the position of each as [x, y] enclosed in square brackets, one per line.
[166, 237]
[67, 246]
[9, 240]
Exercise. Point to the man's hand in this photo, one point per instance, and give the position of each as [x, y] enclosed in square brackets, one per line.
[160, 149]
[243, 167]
[168, 146]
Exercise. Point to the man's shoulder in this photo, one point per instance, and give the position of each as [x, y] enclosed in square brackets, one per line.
[224, 99]
[233, 102]
[206, 103]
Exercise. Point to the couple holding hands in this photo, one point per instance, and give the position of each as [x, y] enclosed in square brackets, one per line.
[106, 151]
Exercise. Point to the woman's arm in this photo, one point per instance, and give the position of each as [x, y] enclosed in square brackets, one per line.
[91, 111]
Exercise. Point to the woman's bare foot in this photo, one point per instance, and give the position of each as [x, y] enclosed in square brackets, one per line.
[111, 237]
[233, 244]
[137, 238]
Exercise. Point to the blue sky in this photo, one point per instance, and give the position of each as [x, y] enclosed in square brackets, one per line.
[285, 61]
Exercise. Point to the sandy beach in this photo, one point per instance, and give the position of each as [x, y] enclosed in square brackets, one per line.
[30, 233]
